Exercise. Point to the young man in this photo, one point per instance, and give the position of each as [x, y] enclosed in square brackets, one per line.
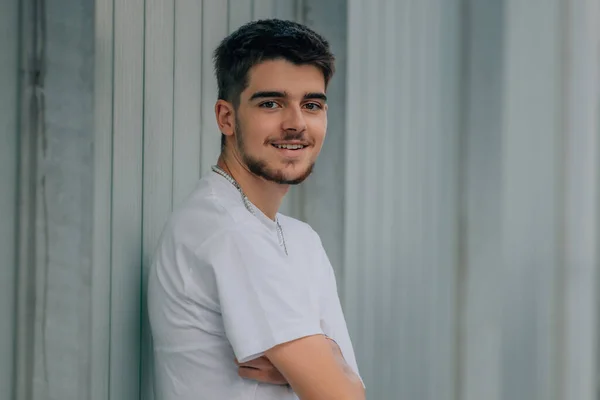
[243, 301]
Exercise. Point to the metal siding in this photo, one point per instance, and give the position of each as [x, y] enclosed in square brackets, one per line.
[286, 9]
[158, 153]
[26, 240]
[102, 230]
[262, 9]
[481, 267]
[239, 13]
[401, 213]
[9, 78]
[582, 199]
[531, 201]
[515, 261]
[187, 99]
[128, 125]
[60, 111]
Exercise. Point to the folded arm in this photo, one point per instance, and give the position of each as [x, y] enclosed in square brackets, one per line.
[316, 370]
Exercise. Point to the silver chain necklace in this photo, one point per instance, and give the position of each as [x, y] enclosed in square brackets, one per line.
[248, 204]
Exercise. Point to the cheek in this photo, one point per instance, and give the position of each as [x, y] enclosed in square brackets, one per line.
[318, 129]
[260, 128]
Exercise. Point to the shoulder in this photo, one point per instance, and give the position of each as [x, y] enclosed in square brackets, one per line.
[209, 211]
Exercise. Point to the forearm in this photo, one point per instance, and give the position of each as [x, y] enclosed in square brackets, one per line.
[316, 370]
[354, 379]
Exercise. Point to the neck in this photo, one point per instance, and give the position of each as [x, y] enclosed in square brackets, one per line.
[264, 194]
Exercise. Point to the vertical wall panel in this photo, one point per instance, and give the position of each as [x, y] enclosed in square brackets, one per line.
[27, 205]
[187, 99]
[101, 254]
[286, 9]
[582, 143]
[239, 13]
[158, 119]
[262, 9]
[532, 201]
[127, 199]
[9, 100]
[214, 29]
[157, 153]
[401, 210]
[481, 267]
[61, 91]
[531, 162]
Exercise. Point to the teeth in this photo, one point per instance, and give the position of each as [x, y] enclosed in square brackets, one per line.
[289, 146]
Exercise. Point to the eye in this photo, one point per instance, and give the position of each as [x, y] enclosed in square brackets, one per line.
[313, 106]
[269, 104]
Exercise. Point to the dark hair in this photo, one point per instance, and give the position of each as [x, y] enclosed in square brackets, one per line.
[265, 40]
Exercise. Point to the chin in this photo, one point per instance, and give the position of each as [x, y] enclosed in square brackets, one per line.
[293, 180]
[284, 175]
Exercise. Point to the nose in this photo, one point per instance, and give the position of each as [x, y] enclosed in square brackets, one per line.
[294, 119]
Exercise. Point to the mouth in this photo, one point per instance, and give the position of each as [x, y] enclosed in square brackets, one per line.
[289, 146]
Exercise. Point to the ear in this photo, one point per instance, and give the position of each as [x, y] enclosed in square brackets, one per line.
[225, 115]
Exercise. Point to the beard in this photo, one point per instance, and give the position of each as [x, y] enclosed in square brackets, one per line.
[261, 168]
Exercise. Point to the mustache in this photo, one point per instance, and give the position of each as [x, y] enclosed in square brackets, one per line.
[291, 136]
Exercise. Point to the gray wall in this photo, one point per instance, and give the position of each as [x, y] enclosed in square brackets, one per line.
[64, 220]
[401, 220]
[515, 268]
[456, 193]
[471, 219]
[9, 100]
[56, 166]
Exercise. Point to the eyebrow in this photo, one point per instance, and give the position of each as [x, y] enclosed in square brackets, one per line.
[277, 94]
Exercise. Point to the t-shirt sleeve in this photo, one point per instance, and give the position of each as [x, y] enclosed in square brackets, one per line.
[264, 300]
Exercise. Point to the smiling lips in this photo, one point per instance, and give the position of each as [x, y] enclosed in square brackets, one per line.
[290, 146]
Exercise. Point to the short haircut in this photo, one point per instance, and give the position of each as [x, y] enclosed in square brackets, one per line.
[265, 40]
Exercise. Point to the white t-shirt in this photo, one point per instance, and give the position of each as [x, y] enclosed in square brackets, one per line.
[222, 287]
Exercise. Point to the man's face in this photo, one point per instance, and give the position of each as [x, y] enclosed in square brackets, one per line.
[281, 121]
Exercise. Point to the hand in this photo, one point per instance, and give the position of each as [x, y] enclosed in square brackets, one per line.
[261, 370]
